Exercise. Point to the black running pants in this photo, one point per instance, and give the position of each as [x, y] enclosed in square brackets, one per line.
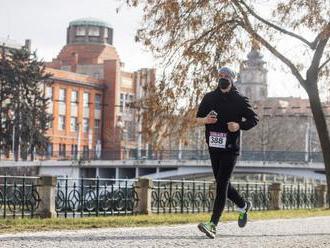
[223, 164]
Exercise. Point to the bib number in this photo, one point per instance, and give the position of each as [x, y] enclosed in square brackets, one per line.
[217, 140]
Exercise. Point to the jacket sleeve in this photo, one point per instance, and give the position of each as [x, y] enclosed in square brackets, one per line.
[251, 118]
[203, 108]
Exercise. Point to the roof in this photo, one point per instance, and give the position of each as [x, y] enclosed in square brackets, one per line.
[286, 106]
[73, 77]
[10, 43]
[89, 22]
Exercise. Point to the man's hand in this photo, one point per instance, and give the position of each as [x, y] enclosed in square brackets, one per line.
[210, 119]
[233, 126]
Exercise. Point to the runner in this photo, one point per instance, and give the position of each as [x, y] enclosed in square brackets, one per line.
[225, 112]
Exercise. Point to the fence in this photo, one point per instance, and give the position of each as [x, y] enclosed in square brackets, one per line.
[134, 154]
[94, 197]
[80, 197]
[19, 196]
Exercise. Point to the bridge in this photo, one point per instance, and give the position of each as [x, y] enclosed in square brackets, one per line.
[185, 165]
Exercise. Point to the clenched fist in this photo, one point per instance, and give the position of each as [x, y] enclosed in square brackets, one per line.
[233, 126]
[211, 119]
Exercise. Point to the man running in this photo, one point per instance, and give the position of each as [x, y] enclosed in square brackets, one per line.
[225, 112]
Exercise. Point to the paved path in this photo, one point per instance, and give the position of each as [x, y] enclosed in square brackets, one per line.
[309, 232]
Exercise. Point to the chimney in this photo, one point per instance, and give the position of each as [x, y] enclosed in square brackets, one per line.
[27, 44]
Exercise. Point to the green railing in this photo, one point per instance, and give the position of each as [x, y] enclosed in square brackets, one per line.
[19, 196]
[94, 197]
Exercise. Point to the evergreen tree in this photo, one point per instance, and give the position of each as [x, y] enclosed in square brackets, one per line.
[25, 79]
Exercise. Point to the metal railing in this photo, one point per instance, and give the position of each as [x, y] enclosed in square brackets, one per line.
[94, 197]
[180, 196]
[298, 196]
[134, 154]
[19, 196]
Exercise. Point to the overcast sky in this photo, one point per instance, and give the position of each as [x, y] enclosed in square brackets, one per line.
[45, 23]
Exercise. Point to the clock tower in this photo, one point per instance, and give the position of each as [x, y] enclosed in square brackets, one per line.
[252, 80]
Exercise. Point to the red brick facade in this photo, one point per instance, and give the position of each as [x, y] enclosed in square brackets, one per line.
[94, 68]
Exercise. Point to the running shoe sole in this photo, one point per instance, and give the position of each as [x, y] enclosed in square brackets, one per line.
[202, 228]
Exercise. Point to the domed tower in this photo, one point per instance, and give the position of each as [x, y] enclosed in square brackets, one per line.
[89, 45]
[89, 30]
[253, 75]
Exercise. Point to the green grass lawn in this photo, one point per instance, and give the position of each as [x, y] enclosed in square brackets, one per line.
[27, 224]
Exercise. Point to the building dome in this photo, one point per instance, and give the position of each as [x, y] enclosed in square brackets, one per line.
[89, 22]
[89, 31]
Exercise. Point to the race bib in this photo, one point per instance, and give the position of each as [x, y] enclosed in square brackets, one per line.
[217, 140]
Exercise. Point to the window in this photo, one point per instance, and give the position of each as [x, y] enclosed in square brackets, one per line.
[86, 99]
[74, 96]
[93, 31]
[122, 102]
[74, 150]
[61, 122]
[49, 93]
[106, 33]
[97, 101]
[85, 152]
[50, 149]
[125, 99]
[50, 123]
[73, 124]
[97, 127]
[97, 124]
[81, 31]
[85, 125]
[62, 94]
[62, 150]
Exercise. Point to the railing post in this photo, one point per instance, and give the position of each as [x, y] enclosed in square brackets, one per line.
[275, 190]
[321, 195]
[143, 188]
[47, 193]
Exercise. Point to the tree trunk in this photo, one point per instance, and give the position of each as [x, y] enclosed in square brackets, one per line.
[321, 127]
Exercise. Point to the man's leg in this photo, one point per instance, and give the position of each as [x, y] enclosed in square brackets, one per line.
[226, 165]
[235, 197]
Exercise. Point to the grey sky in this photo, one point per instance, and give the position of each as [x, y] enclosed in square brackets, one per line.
[45, 23]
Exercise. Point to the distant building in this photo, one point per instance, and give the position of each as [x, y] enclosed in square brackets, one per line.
[90, 94]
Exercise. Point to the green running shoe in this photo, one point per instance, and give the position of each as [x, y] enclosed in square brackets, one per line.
[243, 215]
[209, 228]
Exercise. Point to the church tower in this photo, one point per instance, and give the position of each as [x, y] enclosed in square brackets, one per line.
[252, 81]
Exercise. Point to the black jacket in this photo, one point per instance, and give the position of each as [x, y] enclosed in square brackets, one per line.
[231, 107]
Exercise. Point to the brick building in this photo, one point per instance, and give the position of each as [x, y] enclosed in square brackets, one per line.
[90, 93]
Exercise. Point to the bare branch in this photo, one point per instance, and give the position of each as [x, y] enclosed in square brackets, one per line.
[248, 27]
[282, 30]
[324, 63]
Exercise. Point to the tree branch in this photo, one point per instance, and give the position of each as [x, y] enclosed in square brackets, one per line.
[324, 63]
[282, 30]
[248, 27]
[313, 70]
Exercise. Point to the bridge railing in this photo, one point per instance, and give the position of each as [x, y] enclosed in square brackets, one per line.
[19, 196]
[81, 197]
[134, 154]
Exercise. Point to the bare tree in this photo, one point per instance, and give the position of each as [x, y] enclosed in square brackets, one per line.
[195, 37]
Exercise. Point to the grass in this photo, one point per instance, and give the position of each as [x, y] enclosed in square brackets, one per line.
[28, 224]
